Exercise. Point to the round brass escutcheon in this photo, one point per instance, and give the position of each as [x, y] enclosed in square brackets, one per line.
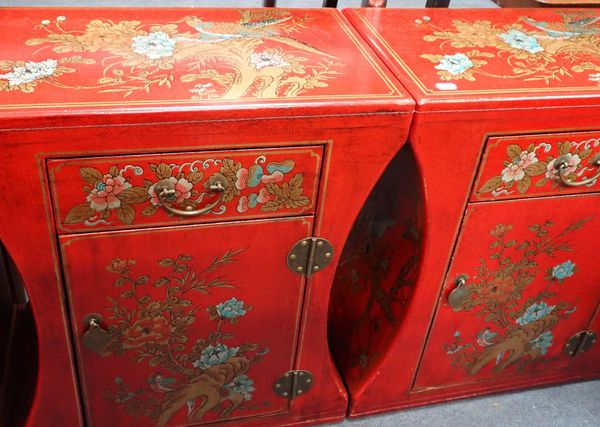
[96, 337]
[459, 295]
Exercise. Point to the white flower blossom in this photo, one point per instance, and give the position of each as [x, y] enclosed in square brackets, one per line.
[265, 59]
[30, 72]
[155, 45]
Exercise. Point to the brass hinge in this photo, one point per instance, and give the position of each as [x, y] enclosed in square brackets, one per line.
[309, 255]
[579, 343]
[293, 383]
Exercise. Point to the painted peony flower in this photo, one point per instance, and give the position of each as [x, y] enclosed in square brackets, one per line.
[231, 309]
[564, 270]
[543, 342]
[30, 72]
[572, 162]
[215, 355]
[516, 170]
[535, 312]
[183, 190]
[155, 45]
[455, 64]
[104, 194]
[242, 385]
[521, 41]
[147, 331]
[264, 59]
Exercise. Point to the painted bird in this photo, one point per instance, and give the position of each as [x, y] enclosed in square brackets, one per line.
[572, 26]
[215, 32]
[160, 383]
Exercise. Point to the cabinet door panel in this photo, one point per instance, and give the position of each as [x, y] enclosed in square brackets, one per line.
[531, 275]
[588, 361]
[202, 320]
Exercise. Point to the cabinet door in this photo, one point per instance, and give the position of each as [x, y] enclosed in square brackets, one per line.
[531, 274]
[201, 320]
[588, 362]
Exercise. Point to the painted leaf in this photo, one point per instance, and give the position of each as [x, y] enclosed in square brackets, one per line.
[492, 184]
[126, 213]
[195, 177]
[79, 214]
[524, 184]
[536, 169]
[133, 195]
[90, 175]
[163, 171]
[513, 150]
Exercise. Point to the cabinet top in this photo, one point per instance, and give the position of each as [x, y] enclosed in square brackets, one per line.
[487, 58]
[89, 60]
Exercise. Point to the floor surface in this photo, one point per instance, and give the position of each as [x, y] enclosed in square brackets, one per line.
[571, 405]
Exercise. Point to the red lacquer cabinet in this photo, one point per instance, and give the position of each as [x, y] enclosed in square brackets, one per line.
[181, 185]
[502, 289]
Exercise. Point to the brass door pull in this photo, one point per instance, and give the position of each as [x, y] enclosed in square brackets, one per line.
[459, 295]
[167, 195]
[561, 165]
[96, 337]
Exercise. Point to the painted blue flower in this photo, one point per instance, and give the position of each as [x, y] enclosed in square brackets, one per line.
[535, 312]
[455, 64]
[543, 342]
[215, 355]
[231, 309]
[520, 40]
[564, 270]
[243, 385]
[155, 45]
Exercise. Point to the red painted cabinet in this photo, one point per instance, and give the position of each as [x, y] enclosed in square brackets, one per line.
[182, 183]
[521, 283]
[197, 331]
[507, 159]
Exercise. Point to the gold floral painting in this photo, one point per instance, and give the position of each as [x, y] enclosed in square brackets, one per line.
[258, 55]
[554, 49]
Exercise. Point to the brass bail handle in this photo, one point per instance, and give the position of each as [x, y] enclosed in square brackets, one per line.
[96, 337]
[561, 166]
[459, 294]
[166, 191]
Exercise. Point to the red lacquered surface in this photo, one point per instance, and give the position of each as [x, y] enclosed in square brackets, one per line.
[529, 274]
[256, 185]
[481, 78]
[296, 99]
[526, 166]
[182, 307]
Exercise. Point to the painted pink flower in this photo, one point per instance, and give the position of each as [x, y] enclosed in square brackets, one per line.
[183, 190]
[572, 161]
[516, 170]
[104, 194]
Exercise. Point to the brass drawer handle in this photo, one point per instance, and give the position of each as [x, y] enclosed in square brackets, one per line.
[166, 193]
[459, 295]
[561, 165]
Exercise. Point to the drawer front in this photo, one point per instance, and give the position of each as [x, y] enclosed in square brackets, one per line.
[100, 193]
[195, 323]
[526, 166]
[530, 282]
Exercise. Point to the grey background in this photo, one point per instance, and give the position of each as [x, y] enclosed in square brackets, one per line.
[571, 405]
